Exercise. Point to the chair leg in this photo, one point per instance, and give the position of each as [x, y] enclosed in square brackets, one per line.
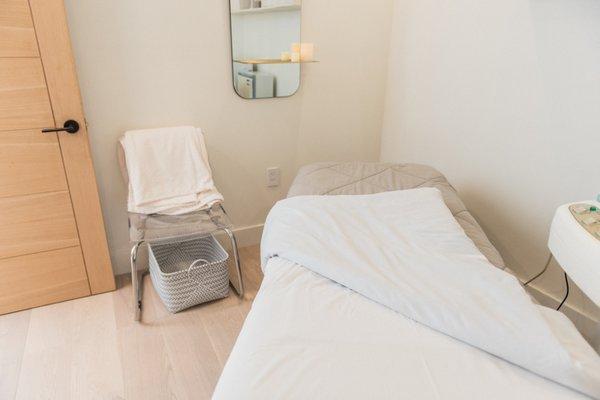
[137, 282]
[236, 257]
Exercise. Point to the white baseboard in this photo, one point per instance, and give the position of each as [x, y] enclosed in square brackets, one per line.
[249, 235]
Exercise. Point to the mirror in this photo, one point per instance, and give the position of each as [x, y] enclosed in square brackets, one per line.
[266, 49]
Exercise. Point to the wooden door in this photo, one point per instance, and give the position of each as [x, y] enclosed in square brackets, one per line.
[52, 239]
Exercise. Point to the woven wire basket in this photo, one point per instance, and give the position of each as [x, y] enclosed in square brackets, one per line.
[189, 272]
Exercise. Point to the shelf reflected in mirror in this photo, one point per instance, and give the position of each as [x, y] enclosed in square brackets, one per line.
[272, 61]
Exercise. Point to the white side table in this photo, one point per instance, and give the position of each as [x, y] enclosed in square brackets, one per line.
[574, 242]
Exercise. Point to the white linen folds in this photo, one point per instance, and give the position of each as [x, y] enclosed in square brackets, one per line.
[168, 171]
[405, 259]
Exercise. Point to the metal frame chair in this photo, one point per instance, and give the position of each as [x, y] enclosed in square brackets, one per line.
[140, 235]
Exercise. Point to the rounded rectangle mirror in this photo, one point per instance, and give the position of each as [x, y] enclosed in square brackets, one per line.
[265, 47]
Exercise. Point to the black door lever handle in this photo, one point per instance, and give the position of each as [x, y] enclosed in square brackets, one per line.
[70, 126]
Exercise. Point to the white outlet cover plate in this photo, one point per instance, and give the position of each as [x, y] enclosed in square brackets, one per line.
[273, 176]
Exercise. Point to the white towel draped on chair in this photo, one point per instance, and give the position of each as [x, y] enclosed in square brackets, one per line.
[168, 171]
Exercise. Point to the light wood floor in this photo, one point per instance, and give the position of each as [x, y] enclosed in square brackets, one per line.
[92, 349]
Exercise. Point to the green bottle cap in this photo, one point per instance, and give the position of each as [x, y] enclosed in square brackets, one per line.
[593, 208]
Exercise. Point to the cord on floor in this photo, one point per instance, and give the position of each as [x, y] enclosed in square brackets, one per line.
[541, 273]
[567, 295]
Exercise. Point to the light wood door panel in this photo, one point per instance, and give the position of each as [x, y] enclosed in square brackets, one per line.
[24, 102]
[52, 239]
[42, 278]
[17, 36]
[30, 162]
[55, 48]
[35, 223]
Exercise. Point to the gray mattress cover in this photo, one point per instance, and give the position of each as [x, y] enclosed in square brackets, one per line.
[334, 178]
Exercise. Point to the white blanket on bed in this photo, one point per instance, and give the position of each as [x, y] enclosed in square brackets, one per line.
[405, 251]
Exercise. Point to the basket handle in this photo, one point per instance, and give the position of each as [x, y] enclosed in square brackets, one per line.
[194, 264]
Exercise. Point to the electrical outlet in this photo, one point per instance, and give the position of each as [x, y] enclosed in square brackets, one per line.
[273, 177]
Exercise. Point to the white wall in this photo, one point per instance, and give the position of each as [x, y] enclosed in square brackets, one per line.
[150, 63]
[504, 98]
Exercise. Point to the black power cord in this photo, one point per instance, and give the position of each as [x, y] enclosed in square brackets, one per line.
[542, 272]
[567, 295]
